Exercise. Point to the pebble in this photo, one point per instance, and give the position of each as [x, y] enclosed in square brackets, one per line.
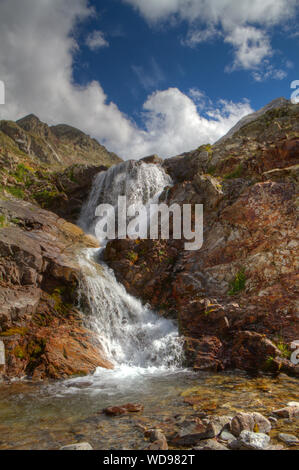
[78, 446]
[288, 439]
[227, 436]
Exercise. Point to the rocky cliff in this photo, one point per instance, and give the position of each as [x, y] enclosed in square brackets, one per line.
[236, 299]
[41, 167]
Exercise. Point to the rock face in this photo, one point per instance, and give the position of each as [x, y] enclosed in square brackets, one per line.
[43, 332]
[236, 299]
[59, 146]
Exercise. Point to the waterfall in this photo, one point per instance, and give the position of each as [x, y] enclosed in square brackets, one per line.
[131, 334]
[141, 183]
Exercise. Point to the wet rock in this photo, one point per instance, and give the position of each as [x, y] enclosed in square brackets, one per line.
[134, 407]
[218, 423]
[79, 446]
[157, 438]
[121, 410]
[251, 441]
[289, 412]
[249, 422]
[115, 411]
[193, 432]
[288, 439]
[154, 435]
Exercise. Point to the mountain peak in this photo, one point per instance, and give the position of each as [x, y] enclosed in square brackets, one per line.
[274, 104]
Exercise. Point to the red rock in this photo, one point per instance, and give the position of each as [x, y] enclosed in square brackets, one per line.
[120, 410]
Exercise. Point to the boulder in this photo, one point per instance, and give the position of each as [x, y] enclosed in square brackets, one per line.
[288, 439]
[250, 441]
[289, 412]
[250, 422]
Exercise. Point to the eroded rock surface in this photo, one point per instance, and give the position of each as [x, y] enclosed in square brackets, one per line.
[43, 332]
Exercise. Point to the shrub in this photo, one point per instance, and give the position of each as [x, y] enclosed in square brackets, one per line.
[238, 284]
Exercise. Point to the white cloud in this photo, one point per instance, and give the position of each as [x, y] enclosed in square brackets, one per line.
[36, 64]
[96, 40]
[174, 124]
[270, 72]
[251, 45]
[198, 36]
[244, 24]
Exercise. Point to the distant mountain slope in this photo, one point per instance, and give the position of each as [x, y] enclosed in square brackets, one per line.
[277, 103]
[59, 146]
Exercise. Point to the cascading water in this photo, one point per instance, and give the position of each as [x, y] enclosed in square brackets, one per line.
[133, 337]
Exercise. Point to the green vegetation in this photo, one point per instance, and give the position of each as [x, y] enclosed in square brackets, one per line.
[16, 192]
[132, 256]
[211, 170]
[60, 306]
[14, 331]
[45, 198]
[236, 173]
[283, 348]
[22, 172]
[238, 284]
[2, 221]
[19, 352]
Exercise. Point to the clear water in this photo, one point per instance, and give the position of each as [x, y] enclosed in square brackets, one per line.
[47, 416]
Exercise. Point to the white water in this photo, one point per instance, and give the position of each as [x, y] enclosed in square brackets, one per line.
[135, 339]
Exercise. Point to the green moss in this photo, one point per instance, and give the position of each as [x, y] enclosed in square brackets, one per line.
[22, 172]
[19, 352]
[3, 222]
[236, 173]
[15, 331]
[61, 307]
[211, 170]
[132, 256]
[16, 221]
[36, 348]
[284, 350]
[45, 198]
[238, 284]
[16, 192]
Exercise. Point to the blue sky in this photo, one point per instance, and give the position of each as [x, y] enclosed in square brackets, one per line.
[158, 53]
[147, 76]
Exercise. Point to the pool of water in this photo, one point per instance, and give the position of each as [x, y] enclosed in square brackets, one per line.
[52, 414]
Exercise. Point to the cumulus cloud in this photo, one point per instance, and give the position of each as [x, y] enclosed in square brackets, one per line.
[36, 64]
[174, 124]
[96, 40]
[244, 24]
[251, 45]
